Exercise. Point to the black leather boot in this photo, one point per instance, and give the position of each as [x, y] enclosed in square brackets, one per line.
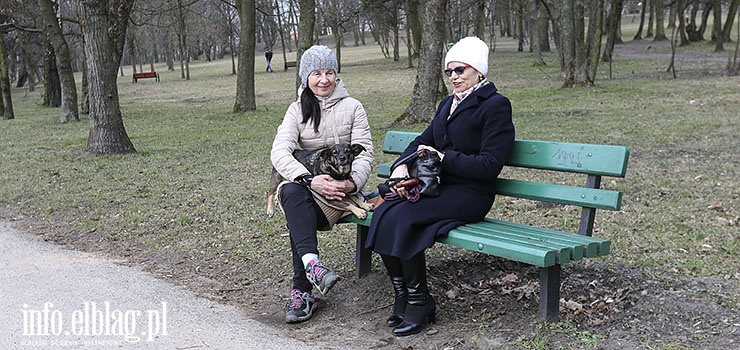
[393, 265]
[421, 307]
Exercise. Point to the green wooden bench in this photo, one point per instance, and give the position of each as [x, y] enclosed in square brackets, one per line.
[538, 246]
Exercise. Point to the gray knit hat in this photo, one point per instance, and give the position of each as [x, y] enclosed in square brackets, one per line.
[315, 58]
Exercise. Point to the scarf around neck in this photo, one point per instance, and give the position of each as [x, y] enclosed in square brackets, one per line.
[457, 97]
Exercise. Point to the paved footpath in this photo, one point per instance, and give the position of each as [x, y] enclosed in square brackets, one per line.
[52, 298]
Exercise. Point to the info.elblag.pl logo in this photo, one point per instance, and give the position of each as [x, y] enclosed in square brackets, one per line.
[96, 320]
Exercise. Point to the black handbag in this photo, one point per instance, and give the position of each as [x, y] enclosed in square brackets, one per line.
[428, 167]
[424, 166]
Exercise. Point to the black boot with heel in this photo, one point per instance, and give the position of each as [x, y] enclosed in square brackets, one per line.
[393, 265]
[421, 307]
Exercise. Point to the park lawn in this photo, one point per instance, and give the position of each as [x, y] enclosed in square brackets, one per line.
[192, 198]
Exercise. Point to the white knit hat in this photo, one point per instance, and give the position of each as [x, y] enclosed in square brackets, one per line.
[470, 50]
[315, 58]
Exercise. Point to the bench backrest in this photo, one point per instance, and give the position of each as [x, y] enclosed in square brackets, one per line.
[592, 160]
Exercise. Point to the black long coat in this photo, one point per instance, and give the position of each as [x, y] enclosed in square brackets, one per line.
[476, 141]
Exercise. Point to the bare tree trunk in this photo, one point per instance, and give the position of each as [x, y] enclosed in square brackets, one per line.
[245, 95]
[638, 35]
[409, 45]
[169, 51]
[337, 36]
[103, 27]
[22, 42]
[6, 103]
[593, 41]
[651, 18]
[680, 9]
[296, 23]
[305, 33]
[421, 108]
[182, 41]
[615, 13]
[564, 12]
[543, 27]
[85, 89]
[534, 31]
[480, 19]
[152, 53]
[717, 32]
[131, 52]
[733, 66]
[281, 30]
[414, 21]
[727, 30]
[659, 21]
[519, 25]
[52, 85]
[580, 35]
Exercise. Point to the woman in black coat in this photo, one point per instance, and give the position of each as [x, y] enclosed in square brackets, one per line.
[472, 132]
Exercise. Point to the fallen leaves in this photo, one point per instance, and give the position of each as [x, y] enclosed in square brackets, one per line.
[595, 307]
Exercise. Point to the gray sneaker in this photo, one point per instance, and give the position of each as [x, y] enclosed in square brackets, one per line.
[300, 307]
[321, 277]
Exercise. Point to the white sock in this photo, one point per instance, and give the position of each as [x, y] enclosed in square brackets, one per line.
[308, 258]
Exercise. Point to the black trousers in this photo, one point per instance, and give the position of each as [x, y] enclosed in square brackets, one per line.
[303, 217]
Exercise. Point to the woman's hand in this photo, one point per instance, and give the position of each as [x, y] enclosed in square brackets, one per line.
[400, 172]
[431, 149]
[332, 189]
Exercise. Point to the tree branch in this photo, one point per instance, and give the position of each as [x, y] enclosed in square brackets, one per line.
[6, 26]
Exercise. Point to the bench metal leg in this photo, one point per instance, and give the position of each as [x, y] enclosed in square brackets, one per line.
[363, 256]
[588, 215]
[549, 309]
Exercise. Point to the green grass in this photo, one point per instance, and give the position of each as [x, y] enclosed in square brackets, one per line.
[194, 192]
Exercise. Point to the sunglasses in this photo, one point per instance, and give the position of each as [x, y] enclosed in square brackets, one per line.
[459, 70]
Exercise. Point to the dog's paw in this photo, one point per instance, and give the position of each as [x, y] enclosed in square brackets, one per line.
[367, 206]
[362, 214]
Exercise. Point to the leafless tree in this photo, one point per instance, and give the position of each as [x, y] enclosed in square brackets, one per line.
[426, 91]
[6, 102]
[103, 25]
[245, 96]
[306, 29]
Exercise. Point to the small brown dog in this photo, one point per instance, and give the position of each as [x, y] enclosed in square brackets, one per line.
[335, 161]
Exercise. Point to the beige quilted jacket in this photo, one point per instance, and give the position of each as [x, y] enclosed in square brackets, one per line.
[343, 120]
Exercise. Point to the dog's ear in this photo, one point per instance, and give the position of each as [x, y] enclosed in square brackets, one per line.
[357, 149]
[325, 154]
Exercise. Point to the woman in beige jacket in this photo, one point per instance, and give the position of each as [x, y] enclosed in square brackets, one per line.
[324, 115]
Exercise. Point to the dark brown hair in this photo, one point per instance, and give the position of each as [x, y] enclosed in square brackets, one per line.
[310, 108]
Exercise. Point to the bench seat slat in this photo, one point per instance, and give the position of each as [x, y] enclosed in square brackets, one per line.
[531, 235]
[534, 255]
[562, 252]
[571, 195]
[594, 246]
[531, 255]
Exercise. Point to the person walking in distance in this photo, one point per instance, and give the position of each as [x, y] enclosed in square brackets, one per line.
[268, 57]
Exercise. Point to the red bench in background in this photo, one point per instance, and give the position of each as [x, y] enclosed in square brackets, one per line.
[144, 75]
